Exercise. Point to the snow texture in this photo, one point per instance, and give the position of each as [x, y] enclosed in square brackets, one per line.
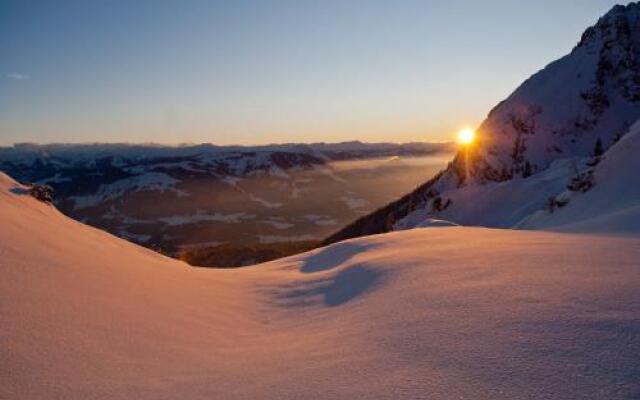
[612, 205]
[434, 313]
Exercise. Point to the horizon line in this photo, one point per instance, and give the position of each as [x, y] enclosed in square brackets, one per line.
[212, 144]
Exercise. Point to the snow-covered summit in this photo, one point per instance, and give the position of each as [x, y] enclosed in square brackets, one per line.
[585, 100]
[592, 93]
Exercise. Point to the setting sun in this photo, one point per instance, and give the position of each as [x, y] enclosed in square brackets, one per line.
[466, 136]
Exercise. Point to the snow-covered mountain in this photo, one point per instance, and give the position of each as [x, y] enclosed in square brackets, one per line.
[183, 198]
[612, 204]
[592, 93]
[234, 157]
[597, 193]
[438, 313]
[544, 131]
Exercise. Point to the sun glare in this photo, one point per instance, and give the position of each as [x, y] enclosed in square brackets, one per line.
[466, 136]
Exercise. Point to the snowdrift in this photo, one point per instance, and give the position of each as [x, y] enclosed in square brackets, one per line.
[438, 313]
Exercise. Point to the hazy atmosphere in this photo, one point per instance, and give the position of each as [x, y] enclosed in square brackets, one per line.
[255, 72]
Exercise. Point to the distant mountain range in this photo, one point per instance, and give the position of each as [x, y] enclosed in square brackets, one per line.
[179, 199]
[541, 140]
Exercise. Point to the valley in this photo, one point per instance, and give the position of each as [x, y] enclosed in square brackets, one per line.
[225, 207]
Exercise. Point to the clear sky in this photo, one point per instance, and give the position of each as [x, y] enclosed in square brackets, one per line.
[254, 72]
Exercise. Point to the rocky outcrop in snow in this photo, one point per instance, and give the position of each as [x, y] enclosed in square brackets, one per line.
[611, 204]
[592, 93]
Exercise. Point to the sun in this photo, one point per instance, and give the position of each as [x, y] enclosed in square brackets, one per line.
[466, 136]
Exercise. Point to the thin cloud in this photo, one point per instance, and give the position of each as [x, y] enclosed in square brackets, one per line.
[18, 77]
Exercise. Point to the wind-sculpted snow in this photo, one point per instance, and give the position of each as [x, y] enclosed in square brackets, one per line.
[332, 257]
[437, 313]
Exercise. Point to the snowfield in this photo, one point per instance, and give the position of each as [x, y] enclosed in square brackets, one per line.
[611, 206]
[433, 313]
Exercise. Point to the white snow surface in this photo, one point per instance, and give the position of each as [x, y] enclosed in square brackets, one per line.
[612, 205]
[434, 313]
[499, 204]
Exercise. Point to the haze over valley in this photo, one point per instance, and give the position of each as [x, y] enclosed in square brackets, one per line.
[224, 206]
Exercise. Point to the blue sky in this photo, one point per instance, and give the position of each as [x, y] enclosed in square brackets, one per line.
[254, 72]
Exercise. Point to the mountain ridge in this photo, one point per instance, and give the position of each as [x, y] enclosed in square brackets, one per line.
[590, 96]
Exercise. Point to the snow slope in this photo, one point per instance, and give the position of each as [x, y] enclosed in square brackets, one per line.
[499, 204]
[612, 205]
[435, 313]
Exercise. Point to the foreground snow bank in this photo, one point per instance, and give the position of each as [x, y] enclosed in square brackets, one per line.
[427, 313]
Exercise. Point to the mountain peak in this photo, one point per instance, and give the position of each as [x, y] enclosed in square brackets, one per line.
[632, 8]
[562, 110]
[618, 23]
[590, 96]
